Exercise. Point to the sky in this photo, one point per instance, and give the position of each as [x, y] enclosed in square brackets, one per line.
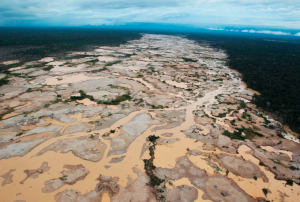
[231, 15]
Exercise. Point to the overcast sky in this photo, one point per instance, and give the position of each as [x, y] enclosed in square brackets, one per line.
[213, 14]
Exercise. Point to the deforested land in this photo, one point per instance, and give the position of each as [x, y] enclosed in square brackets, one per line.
[155, 118]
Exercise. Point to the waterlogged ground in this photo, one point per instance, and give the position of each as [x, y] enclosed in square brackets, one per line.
[77, 129]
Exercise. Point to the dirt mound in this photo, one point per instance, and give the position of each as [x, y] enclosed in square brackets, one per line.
[167, 134]
[34, 173]
[71, 176]
[83, 147]
[181, 193]
[162, 141]
[7, 177]
[239, 166]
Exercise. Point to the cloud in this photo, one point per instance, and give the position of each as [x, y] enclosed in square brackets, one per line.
[266, 9]
[232, 30]
[250, 31]
[297, 34]
[198, 13]
[267, 32]
[219, 29]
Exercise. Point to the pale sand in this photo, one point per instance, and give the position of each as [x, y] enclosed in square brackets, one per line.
[27, 104]
[105, 198]
[47, 59]
[106, 59]
[112, 106]
[14, 103]
[125, 85]
[271, 149]
[56, 63]
[103, 50]
[178, 85]
[133, 68]
[75, 78]
[68, 69]
[87, 102]
[10, 62]
[15, 68]
[6, 116]
[101, 93]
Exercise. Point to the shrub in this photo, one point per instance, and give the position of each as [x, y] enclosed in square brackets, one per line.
[243, 104]
[48, 67]
[265, 191]
[116, 101]
[82, 96]
[4, 80]
[152, 138]
[290, 182]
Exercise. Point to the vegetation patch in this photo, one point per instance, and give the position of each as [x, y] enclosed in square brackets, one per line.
[19, 134]
[265, 191]
[157, 106]
[249, 133]
[290, 182]
[155, 181]
[92, 62]
[152, 138]
[235, 135]
[82, 96]
[261, 163]
[221, 115]
[129, 55]
[48, 68]
[4, 80]
[189, 60]
[63, 178]
[117, 87]
[116, 101]
[112, 63]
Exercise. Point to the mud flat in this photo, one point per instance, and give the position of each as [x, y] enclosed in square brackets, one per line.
[210, 143]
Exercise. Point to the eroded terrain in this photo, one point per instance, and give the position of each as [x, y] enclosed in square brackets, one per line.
[157, 119]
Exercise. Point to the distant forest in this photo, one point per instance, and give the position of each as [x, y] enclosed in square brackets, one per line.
[268, 66]
[27, 44]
